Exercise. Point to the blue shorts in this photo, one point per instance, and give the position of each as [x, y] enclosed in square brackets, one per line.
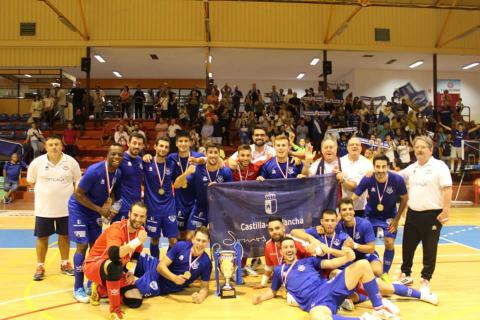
[381, 223]
[10, 185]
[370, 257]
[182, 217]
[162, 225]
[198, 218]
[331, 294]
[83, 227]
[146, 272]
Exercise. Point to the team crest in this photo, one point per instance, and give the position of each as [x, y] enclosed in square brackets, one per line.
[172, 218]
[129, 163]
[167, 171]
[273, 171]
[195, 265]
[154, 285]
[180, 257]
[99, 221]
[150, 169]
[373, 189]
[301, 268]
[389, 190]
[290, 170]
[204, 179]
[102, 181]
[336, 242]
[220, 179]
[357, 235]
[270, 203]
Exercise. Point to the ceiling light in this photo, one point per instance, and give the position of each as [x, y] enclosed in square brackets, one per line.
[210, 59]
[391, 61]
[314, 61]
[471, 65]
[99, 58]
[368, 56]
[154, 56]
[416, 64]
[117, 74]
[210, 75]
[300, 75]
[28, 75]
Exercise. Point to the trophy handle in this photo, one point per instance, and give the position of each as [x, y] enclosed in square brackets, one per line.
[216, 255]
[239, 255]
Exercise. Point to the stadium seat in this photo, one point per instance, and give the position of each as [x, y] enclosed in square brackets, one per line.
[15, 117]
[25, 117]
[4, 117]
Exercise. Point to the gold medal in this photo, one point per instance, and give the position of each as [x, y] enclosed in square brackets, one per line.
[185, 186]
[380, 207]
[161, 191]
[187, 275]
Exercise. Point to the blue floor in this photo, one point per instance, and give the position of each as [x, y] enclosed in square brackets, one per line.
[466, 235]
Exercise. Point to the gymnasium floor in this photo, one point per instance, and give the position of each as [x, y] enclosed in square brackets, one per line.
[456, 281]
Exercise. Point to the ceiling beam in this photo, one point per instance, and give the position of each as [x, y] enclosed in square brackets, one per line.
[461, 35]
[344, 25]
[84, 20]
[329, 23]
[445, 23]
[65, 20]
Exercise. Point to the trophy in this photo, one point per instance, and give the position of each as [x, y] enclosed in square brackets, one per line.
[227, 262]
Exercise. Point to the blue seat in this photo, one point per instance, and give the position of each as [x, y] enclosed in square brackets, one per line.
[4, 117]
[25, 117]
[15, 117]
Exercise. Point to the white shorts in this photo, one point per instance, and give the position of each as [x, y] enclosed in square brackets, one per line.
[456, 153]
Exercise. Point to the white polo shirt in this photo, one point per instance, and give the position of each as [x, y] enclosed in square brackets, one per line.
[329, 166]
[53, 185]
[425, 184]
[266, 153]
[354, 171]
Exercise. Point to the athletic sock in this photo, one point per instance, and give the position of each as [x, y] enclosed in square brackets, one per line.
[154, 250]
[78, 259]
[373, 293]
[64, 262]
[340, 317]
[404, 291]
[113, 289]
[387, 260]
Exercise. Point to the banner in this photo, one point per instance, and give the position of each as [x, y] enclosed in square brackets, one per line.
[239, 211]
[420, 98]
[346, 129]
[321, 99]
[452, 85]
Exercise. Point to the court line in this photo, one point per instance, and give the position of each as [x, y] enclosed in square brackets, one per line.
[40, 295]
[39, 310]
[459, 243]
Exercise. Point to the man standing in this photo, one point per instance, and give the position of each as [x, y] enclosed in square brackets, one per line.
[162, 214]
[139, 100]
[54, 175]
[384, 190]
[260, 150]
[429, 198]
[132, 174]
[459, 135]
[242, 168]
[281, 166]
[354, 167]
[92, 200]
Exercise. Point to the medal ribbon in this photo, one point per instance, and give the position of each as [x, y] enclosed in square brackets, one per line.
[190, 262]
[285, 274]
[162, 178]
[285, 175]
[383, 193]
[208, 175]
[240, 173]
[331, 243]
[109, 189]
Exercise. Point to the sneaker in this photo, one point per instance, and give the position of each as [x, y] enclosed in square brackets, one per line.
[67, 269]
[429, 297]
[250, 272]
[117, 314]
[405, 280]
[255, 263]
[385, 277]
[390, 306]
[39, 274]
[94, 295]
[80, 295]
[368, 316]
[424, 286]
[88, 288]
[347, 305]
[384, 314]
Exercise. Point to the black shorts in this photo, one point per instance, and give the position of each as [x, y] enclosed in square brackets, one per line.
[45, 227]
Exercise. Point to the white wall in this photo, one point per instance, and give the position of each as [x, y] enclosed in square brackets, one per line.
[383, 82]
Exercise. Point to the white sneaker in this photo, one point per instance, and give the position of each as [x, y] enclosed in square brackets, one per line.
[347, 305]
[81, 296]
[390, 306]
[405, 280]
[424, 286]
[430, 298]
[368, 316]
[384, 314]
[250, 272]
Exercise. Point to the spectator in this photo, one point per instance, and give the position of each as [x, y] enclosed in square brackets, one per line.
[193, 102]
[11, 175]
[161, 129]
[121, 136]
[48, 105]
[60, 103]
[172, 132]
[195, 138]
[149, 104]
[36, 139]
[161, 107]
[207, 130]
[172, 106]
[404, 150]
[70, 139]
[98, 97]
[237, 96]
[125, 101]
[36, 108]
[138, 100]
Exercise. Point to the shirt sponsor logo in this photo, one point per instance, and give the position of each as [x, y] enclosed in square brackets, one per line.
[301, 268]
[80, 234]
[129, 163]
[204, 179]
[102, 181]
[180, 257]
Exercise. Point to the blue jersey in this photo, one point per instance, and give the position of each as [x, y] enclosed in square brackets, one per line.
[395, 188]
[184, 197]
[458, 137]
[272, 170]
[157, 204]
[338, 238]
[342, 148]
[13, 170]
[302, 281]
[132, 172]
[361, 233]
[201, 179]
[94, 183]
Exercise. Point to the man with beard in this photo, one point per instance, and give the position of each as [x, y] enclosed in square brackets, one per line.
[132, 175]
[281, 166]
[319, 296]
[260, 150]
[272, 252]
[354, 167]
[184, 263]
[203, 176]
[242, 167]
[91, 201]
[162, 214]
[384, 190]
[120, 244]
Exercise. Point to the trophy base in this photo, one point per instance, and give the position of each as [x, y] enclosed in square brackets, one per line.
[228, 293]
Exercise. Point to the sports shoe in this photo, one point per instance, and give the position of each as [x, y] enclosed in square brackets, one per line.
[255, 263]
[405, 280]
[117, 314]
[88, 288]
[429, 297]
[384, 314]
[39, 274]
[368, 316]
[67, 269]
[250, 272]
[347, 305]
[385, 277]
[80, 295]
[94, 295]
[390, 306]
